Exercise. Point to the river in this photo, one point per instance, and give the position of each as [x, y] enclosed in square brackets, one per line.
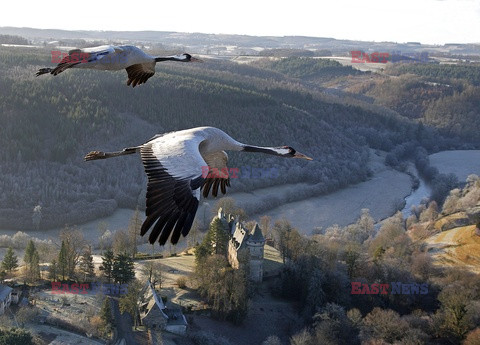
[342, 207]
[418, 195]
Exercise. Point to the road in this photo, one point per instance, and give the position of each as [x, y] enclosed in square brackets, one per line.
[124, 324]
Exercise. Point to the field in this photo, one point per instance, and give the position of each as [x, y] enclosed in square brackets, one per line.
[60, 337]
[74, 309]
[382, 194]
[458, 247]
[267, 315]
[347, 61]
[459, 162]
[183, 265]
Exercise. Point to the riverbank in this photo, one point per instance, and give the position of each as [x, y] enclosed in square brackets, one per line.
[461, 163]
[382, 194]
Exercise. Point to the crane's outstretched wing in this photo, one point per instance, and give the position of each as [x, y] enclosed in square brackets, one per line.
[174, 170]
[139, 73]
[217, 174]
[85, 55]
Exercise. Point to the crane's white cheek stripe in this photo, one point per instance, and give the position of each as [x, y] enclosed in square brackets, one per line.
[282, 151]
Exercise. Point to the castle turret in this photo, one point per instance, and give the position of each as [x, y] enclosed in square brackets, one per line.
[220, 213]
[255, 243]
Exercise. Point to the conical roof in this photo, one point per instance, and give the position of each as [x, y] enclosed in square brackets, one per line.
[256, 234]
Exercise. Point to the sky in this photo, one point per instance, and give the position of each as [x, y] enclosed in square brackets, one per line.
[425, 21]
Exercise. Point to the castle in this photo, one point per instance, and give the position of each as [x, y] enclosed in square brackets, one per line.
[243, 244]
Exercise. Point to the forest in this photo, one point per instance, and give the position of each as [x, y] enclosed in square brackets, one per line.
[443, 96]
[323, 271]
[358, 284]
[50, 123]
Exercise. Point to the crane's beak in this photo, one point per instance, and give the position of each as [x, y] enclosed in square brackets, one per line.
[193, 59]
[301, 155]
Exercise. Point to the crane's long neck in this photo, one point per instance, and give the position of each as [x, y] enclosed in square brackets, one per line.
[103, 155]
[219, 140]
[276, 151]
[167, 58]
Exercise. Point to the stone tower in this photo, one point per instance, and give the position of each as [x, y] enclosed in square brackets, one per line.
[255, 245]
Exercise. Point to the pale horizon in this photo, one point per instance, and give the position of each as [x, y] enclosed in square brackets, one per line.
[427, 21]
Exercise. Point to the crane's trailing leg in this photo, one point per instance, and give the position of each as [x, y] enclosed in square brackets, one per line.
[44, 71]
[103, 155]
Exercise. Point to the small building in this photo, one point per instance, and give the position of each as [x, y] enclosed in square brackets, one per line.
[155, 315]
[244, 245]
[16, 294]
[152, 315]
[176, 323]
[5, 298]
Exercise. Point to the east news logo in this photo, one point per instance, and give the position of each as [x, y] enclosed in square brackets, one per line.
[394, 288]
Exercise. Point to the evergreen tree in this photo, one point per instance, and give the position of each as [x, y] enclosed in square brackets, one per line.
[129, 302]
[216, 239]
[52, 270]
[10, 261]
[15, 336]
[106, 312]
[35, 267]
[352, 257]
[87, 267]
[123, 269]
[107, 265]
[27, 258]
[62, 266]
[32, 262]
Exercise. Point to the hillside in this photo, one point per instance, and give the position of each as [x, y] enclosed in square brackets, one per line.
[449, 234]
[51, 122]
[445, 96]
[458, 247]
[223, 43]
[461, 163]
